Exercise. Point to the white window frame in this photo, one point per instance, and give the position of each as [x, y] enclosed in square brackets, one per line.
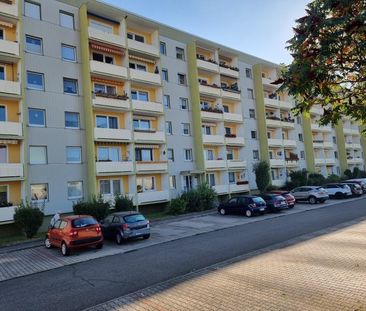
[72, 127]
[209, 181]
[4, 68]
[4, 33]
[76, 86]
[166, 101]
[33, 4]
[209, 154]
[188, 127]
[183, 100]
[105, 86]
[153, 178]
[109, 152]
[180, 51]
[134, 37]
[172, 159]
[48, 192]
[101, 26]
[7, 153]
[67, 14]
[43, 81]
[185, 78]
[73, 48]
[138, 94]
[172, 182]
[136, 64]
[38, 162]
[37, 125]
[169, 127]
[232, 174]
[162, 44]
[108, 117]
[7, 192]
[165, 74]
[82, 190]
[33, 52]
[6, 112]
[188, 151]
[80, 155]
[104, 57]
[111, 181]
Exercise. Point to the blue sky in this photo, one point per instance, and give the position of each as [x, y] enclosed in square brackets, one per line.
[258, 27]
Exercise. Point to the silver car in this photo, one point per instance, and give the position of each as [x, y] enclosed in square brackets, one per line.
[312, 194]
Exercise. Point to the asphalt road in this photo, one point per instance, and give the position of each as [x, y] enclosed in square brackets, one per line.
[86, 284]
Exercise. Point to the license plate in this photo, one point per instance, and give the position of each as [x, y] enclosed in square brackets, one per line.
[261, 209]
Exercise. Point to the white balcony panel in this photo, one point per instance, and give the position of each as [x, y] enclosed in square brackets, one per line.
[109, 70]
[151, 166]
[10, 87]
[273, 123]
[233, 117]
[275, 142]
[7, 213]
[144, 76]
[212, 116]
[202, 64]
[11, 129]
[292, 163]
[11, 170]
[357, 146]
[229, 72]
[289, 143]
[114, 167]
[221, 189]
[230, 95]
[143, 47]
[349, 131]
[215, 164]
[209, 90]
[285, 104]
[112, 134]
[317, 110]
[318, 128]
[152, 196]
[9, 47]
[318, 145]
[117, 40]
[238, 141]
[288, 124]
[239, 188]
[268, 82]
[278, 182]
[112, 103]
[274, 103]
[146, 106]
[328, 145]
[158, 137]
[213, 139]
[236, 164]
[277, 162]
[319, 161]
[330, 161]
[9, 9]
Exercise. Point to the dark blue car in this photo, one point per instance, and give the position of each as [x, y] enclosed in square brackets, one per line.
[245, 204]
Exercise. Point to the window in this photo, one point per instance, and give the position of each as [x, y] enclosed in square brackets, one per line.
[255, 155]
[3, 193]
[183, 103]
[229, 154]
[180, 53]
[166, 101]
[211, 179]
[109, 154]
[74, 190]
[250, 94]
[101, 26]
[33, 45]
[140, 67]
[39, 192]
[228, 130]
[146, 183]
[32, 10]
[105, 89]
[38, 155]
[2, 34]
[140, 124]
[72, 120]
[68, 53]
[172, 182]
[252, 113]
[136, 37]
[334, 140]
[37, 117]
[3, 154]
[301, 138]
[298, 120]
[140, 95]
[110, 186]
[70, 86]
[231, 177]
[73, 154]
[206, 130]
[253, 134]
[181, 79]
[67, 20]
[209, 154]
[162, 48]
[226, 108]
[2, 114]
[336, 154]
[168, 127]
[338, 170]
[107, 122]
[165, 74]
[144, 154]
[171, 155]
[2, 72]
[302, 154]
[248, 73]
[186, 129]
[35, 81]
[188, 155]
[103, 58]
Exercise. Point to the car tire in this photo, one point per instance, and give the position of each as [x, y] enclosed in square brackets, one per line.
[339, 195]
[65, 251]
[99, 245]
[119, 238]
[312, 200]
[47, 243]
[146, 236]
[222, 211]
[248, 213]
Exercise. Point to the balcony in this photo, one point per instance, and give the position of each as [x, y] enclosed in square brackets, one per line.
[152, 197]
[328, 145]
[317, 110]
[106, 134]
[241, 187]
[147, 106]
[208, 66]
[352, 160]
[291, 163]
[237, 141]
[215, 164]
[9, 170]
[10, 87]
[214, 139]
[106, 37]
[145, 76]
[319, 128]
[149, 136]
[273, 122]
[145, 48]
[111, 102]
[288, 123]
[349, 131]
[317, 143]
[236, 164]
[233, 117]
[277, 162]
[319, 161]
[221, 189]
[289, 143]
[230, 94]
[11, 129]
[206, 89]
[211, 116]
[357, 146]
[151, 166]
[274, 142]
[268, 82]
[9, 9]
[330, 161]
[278, 182]
[108, 70]
[7, 213]
[227, 71]
[9, 47]
[114, 168]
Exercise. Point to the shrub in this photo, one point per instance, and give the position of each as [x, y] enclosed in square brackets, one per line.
[348, 173]
[123, 203]
[298, 178]
[96, 208]
[262, 177]
[316, 179]
[362, 174]
[272, 188]
[192, 200]
[356, 172]
[200, 199]
[333, 178]
[177, 206]
[28, 218]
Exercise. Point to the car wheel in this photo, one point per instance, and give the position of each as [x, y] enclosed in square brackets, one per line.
[99, 245]
[222, 211]
[248, 213]
[119, 238]
[338, 195]
[47, 243]
[312, 200]
[146, 236]
[65, 251]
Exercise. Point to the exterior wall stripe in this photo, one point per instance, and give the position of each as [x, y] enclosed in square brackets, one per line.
[308, 142]
[341, 144]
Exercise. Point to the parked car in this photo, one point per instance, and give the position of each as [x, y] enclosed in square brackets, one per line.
[275, 202]
[122, 226]
[360, 181]
[73, 232]
[245, 204]
[290, 199]
[338, 191]
[356, 189]
[312, 194]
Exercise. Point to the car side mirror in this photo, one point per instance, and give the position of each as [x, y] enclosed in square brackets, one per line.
[102, 221]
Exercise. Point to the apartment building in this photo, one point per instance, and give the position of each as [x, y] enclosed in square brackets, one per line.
[97, 100]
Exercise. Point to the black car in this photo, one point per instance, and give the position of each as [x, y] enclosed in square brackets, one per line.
[275, 202]
[125, 225]
[246, 204]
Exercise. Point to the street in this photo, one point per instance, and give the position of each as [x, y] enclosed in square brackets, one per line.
[87, 284]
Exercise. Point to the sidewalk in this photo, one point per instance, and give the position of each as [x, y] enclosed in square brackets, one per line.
[18, 263]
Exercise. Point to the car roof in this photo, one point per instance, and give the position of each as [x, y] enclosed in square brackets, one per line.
[247, 196]
[72, 217]
[127, 213]
[278, 192]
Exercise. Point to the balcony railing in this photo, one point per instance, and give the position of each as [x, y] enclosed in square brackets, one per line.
[233, 117]
[7, 213]
[10, 87]
[111, 167]
[210, 89]
[112, 101]
[206, 65]
[152, 197]
[239, 187]
[229, 70]
[215, 164]
[143, 47]
[221, 189]
[150, 166]
[117, 40]
[9, 8]
[11, 170]
[147, 106]
[145, 76]
[236, 163]
[149, 136]
[108, 70]
[11, 129]
[214, 139]
[108, 134]
[9, 47]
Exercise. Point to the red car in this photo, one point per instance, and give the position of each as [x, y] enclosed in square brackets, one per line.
[73, 232]
[290, 199]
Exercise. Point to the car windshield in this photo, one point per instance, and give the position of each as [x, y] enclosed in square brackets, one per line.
[258, 200]
[320, 189]
[83, 222]
[134, 218]
[279, 198]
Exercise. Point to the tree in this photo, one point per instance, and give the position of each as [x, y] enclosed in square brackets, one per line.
[262, 177]
[329, 65]
[28, 218]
